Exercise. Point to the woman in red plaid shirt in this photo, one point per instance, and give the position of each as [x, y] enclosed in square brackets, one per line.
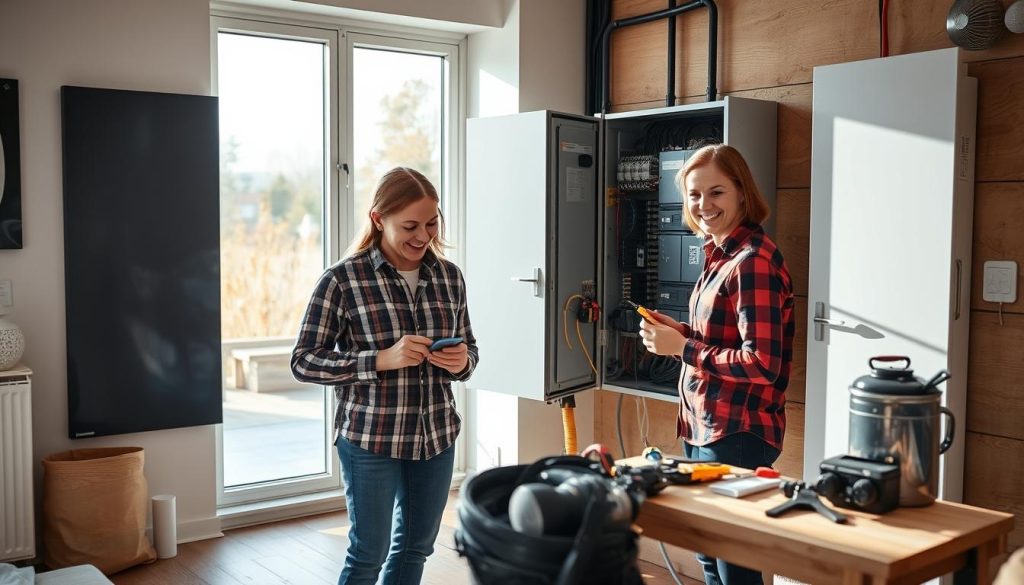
[738, 347]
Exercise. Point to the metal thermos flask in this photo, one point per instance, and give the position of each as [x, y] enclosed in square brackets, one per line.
[895, 417]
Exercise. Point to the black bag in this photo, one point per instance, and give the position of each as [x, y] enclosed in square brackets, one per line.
[598, 554]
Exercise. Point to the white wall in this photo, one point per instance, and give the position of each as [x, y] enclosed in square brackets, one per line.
[552, 55]
[534, 62]
[151, 45]
[474, 12]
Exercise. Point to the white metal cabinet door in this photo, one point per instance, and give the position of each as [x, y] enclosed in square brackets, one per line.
[506, 199]
[891, 213]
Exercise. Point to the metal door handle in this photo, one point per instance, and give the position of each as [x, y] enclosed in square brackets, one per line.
[820, 322]
[537, 280]
[834, 322]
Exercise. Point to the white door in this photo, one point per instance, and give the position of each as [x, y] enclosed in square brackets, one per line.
[891, 213]
[506, 198]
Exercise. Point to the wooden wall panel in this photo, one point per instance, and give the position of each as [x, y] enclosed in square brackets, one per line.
[994, 467]
[921, 26]
[662, 431]
[794, 152]
[661, 423]
[792, 226]
[791, 461]
[757, 45]
[1000, 154]
[998, 234]
[797, 390]
[995, 376]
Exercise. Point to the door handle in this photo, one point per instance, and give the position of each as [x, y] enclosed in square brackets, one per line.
[820, 322]
[835, 322]
[537, 280]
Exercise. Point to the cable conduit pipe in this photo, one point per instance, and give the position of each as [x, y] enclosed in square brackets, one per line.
[712, 92]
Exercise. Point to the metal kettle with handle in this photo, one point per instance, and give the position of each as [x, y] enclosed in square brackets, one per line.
[894, 416]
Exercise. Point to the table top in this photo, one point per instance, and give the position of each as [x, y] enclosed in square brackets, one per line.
[896, 543]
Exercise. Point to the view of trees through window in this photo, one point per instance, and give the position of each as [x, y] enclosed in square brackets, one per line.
[273, 121]
[274, 128]
[397, 117]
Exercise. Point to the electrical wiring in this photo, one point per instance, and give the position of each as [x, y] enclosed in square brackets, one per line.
[579, 334]
[884, 18]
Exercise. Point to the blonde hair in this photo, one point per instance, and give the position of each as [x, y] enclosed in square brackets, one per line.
[396, 190]
[731, 163]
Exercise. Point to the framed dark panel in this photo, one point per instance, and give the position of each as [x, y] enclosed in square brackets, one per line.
[142, 260]
[10, 166]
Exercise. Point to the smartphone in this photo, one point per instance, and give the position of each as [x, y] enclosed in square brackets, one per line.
[744, 486]
[445, 342]
[643, 312]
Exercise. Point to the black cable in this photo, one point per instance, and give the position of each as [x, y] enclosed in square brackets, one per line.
[618, 424]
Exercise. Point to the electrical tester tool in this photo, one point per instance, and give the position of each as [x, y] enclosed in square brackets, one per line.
[646, 314]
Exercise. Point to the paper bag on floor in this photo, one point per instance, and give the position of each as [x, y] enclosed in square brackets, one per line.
[94, 509]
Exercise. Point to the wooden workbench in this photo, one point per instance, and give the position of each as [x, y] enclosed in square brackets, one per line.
[905, 546]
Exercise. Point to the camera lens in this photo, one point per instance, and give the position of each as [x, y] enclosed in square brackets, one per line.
[829, 485]
[864, 493]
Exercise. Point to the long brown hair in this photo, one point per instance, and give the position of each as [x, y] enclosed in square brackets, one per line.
[396, 190]
[733, 165]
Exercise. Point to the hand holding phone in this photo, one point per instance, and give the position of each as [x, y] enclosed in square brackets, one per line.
[444, 342]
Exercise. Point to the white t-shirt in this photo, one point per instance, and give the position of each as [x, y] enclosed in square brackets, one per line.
[413, 278]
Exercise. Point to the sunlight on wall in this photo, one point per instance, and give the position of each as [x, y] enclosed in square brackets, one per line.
[497, 97]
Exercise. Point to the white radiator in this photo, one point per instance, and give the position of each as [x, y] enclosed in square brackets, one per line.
[17, 534]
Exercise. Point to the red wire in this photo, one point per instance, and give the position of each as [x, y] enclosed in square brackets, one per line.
[885, 28]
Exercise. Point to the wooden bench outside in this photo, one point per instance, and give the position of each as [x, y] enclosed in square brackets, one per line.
[263, 368]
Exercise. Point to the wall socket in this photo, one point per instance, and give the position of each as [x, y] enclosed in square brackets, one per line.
[6, 293]
[1000, 284]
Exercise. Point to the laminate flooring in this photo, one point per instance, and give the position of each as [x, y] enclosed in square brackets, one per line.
[303, 551]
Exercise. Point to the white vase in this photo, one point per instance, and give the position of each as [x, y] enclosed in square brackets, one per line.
[12, 343]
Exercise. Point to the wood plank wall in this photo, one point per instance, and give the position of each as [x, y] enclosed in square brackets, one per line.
[768, 49]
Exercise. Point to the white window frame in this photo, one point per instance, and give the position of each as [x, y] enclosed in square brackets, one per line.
[341, 37]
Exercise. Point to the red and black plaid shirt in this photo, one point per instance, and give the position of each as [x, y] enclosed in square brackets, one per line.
[362, 305]
[738, 354]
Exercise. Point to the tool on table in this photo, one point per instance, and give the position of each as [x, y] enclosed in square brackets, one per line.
[652, 454]
[802, 496]
[739, 487]
[604, 457]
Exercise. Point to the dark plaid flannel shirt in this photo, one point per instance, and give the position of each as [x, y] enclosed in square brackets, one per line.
[360, 306]
[738, 354]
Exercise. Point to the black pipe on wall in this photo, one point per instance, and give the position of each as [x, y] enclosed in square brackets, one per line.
[712, 92]
[670, 95]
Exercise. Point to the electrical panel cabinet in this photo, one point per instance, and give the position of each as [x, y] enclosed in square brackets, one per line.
[568, 218]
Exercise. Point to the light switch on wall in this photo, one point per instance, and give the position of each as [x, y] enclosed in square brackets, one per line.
[1000, 281]
[6, 293]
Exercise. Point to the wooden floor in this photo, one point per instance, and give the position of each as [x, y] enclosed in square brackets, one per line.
[304, 551]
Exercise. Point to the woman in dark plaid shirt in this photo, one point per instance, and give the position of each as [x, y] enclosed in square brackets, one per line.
[738, 346]
[367, 332]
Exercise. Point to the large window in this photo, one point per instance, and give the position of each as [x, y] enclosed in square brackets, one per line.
[293, 102]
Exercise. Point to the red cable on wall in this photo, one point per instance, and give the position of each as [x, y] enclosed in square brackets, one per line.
[885, 28]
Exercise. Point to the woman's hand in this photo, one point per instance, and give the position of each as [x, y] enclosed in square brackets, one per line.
[663, 338]
[410, 350]
[666, 320]
[452, 358]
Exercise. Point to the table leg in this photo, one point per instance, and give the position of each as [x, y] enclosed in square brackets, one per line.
[975, 572]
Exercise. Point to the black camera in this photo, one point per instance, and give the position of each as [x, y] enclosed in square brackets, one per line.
[860, 484]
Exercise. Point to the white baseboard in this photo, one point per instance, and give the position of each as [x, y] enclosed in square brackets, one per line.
[194, 530]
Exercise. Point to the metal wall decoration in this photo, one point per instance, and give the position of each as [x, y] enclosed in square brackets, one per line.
[10, 166]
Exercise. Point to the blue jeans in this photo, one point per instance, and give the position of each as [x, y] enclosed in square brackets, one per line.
[378, 488]
[743, 450]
